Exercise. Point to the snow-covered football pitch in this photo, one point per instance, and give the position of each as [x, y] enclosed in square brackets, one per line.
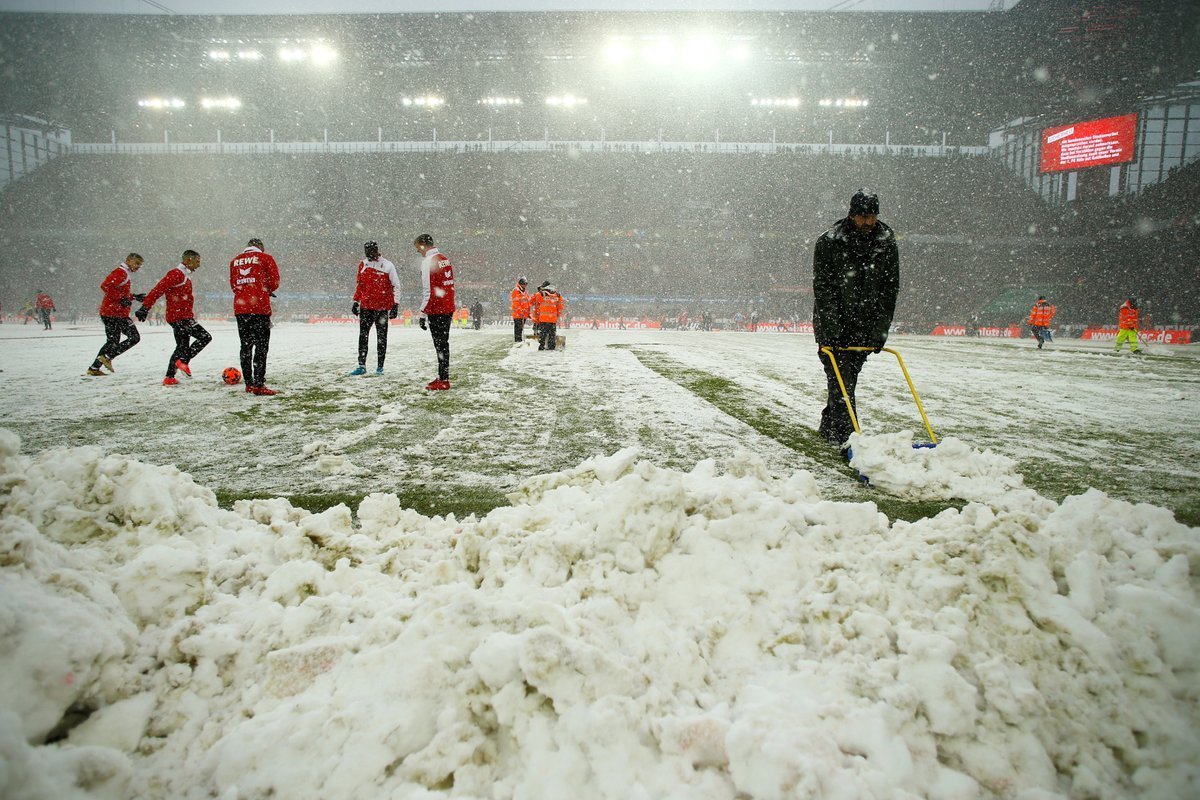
[1072, 417]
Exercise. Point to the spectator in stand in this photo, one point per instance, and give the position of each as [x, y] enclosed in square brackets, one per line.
[114, 313]
[1127, 323]
[520, 301]
[374, 304]
[437, 305]
[44, 306]
[190, 336]
[856, 279]
[254, 277]
[1039, 320]
[547, 307]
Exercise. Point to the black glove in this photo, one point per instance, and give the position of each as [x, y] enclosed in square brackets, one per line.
[878, 349]
[142, 313]
[273, 294]
[354, 308]
[395, 312]
[125, 301]
[141, 298]
[421, 322]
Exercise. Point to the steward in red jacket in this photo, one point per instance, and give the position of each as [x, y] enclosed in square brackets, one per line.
[190, 337]
[437, 305]
[44, 306]
[114, 313]
[374, 304]
[1039, 320]
[519, 298]
[547, 307]
[254, 277]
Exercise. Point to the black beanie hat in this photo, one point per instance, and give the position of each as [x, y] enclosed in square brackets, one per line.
[864, 203]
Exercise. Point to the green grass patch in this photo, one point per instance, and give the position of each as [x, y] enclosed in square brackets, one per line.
[442, 500]
[727, 396]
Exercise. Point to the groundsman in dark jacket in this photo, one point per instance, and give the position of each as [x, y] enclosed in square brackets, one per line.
[856, 278]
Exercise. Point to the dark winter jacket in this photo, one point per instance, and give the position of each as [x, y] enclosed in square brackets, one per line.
[856, 278]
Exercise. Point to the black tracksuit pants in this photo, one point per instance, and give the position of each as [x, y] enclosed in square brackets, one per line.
[114, 328]
[836, 426]
[547, 335]
[439, 328]
[518, 328]
[255, 332]
[187, 330]
[367, 319]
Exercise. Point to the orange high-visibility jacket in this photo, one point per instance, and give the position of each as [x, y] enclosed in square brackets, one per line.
[1041, 314]
[520, 302]
[1127, 317]
[547, 306]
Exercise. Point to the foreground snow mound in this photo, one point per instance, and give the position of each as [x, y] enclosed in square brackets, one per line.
[622, 631]
[951, 470]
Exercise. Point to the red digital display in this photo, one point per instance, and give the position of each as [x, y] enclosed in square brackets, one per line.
[1089, 144]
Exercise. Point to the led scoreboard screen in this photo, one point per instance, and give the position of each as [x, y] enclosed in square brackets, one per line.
[1089, 144]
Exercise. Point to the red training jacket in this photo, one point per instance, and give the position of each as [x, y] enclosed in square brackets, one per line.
[116, 287]
[253, 275]
[437, 279]
[377, 285]
[43, 301]
[177, 286]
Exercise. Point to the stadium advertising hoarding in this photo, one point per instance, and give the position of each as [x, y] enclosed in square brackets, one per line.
[1095, 143]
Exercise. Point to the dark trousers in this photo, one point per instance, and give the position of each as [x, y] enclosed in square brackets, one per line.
[1042, 334]
[547, 335]
[439, 328]
[255, 332]
[367, 319]
[190, 339]
[518, 328]
[836, 426]
[45, 312]
[114, 328]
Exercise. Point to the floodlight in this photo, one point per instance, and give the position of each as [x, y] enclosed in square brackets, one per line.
[249, 55]
[322, 55]
[775, 102]
[161, 103]
[221, 103]
[699, 53]
[617, 52]
[426, 101]
[500, 101]
[566, 101]
[219, 55]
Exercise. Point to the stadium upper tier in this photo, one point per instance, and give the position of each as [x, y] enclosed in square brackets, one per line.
[663, 225]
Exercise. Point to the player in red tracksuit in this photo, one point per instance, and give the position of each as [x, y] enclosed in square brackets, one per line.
[44, 306]
[254, 277]
[114, 313]
[437, 305]
[177, 286]
[374, 304]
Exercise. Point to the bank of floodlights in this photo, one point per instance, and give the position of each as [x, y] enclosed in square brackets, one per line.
[220, 103]
[775, 102]
[249, 55]
[318, 54]
[567, 101]
[424, 101]
[499, 102]
[219, 55]
[698, 52]
[161, 103]
[844, 102]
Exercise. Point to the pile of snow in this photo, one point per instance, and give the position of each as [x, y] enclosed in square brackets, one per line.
[621, 631]
[952, 469]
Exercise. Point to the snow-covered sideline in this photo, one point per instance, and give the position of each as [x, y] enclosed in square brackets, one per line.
[621, 631]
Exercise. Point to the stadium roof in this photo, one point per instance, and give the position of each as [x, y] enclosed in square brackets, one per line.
[226, 7]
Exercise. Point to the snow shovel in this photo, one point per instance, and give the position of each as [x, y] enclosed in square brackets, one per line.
[850, 406]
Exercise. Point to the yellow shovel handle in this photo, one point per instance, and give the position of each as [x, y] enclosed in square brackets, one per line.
[846, 397]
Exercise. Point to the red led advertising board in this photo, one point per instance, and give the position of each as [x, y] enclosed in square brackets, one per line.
[1089, 144]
